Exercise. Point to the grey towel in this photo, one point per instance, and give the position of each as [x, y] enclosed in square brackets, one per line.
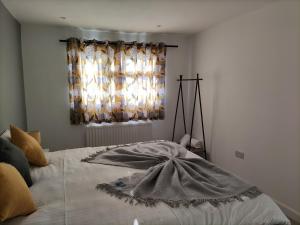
[170, 178]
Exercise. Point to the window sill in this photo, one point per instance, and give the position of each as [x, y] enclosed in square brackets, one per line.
[120, 124]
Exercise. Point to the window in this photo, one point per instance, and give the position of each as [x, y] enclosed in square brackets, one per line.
[115, 82]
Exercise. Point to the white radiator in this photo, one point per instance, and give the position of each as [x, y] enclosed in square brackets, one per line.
[121, 133]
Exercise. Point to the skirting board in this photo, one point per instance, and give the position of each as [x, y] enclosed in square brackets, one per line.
[291, 213]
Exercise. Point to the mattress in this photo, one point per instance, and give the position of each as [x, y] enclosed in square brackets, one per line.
[65, 194]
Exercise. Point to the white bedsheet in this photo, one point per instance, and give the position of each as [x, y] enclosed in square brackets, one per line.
[65, 194]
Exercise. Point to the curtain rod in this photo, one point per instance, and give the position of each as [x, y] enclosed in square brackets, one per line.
[115, 42]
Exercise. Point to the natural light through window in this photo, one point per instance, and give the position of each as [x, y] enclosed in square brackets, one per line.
[117, 83]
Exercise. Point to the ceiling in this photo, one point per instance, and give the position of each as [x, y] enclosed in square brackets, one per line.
[167, 16]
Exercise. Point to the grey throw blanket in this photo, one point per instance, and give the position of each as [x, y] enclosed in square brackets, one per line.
[169, 178]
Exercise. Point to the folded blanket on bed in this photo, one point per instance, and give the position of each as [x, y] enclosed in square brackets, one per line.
[169, 178]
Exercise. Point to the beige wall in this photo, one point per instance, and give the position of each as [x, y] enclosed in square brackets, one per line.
[251, 91]
[12, 102]
[46, 87]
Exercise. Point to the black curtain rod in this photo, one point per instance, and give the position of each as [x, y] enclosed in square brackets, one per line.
[115, 42]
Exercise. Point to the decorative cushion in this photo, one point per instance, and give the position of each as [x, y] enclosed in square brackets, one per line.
[6, 135]
[35, 134]
[15, 197]
[32, 149]
[11, 154]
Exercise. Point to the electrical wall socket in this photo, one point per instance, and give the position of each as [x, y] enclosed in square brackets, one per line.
[239, 154]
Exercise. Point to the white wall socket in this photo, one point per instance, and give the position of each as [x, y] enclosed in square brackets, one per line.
[239, 154]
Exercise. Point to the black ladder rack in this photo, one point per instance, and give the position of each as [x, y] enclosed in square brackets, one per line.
[180, 93]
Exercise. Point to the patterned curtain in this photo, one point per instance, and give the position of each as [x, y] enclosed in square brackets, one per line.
[116, 82]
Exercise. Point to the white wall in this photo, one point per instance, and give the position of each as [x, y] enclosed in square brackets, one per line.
[46, 87]
[251, 92]
[251, 66]
[12, 100]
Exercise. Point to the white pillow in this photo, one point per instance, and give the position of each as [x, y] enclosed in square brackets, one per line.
[6, 135]
[185, 140]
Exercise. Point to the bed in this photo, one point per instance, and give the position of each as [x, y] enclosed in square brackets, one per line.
[65, 194]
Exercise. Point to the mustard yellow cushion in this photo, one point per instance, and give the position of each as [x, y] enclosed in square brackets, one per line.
[36, 135]
[32, 149]
[15, 197]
